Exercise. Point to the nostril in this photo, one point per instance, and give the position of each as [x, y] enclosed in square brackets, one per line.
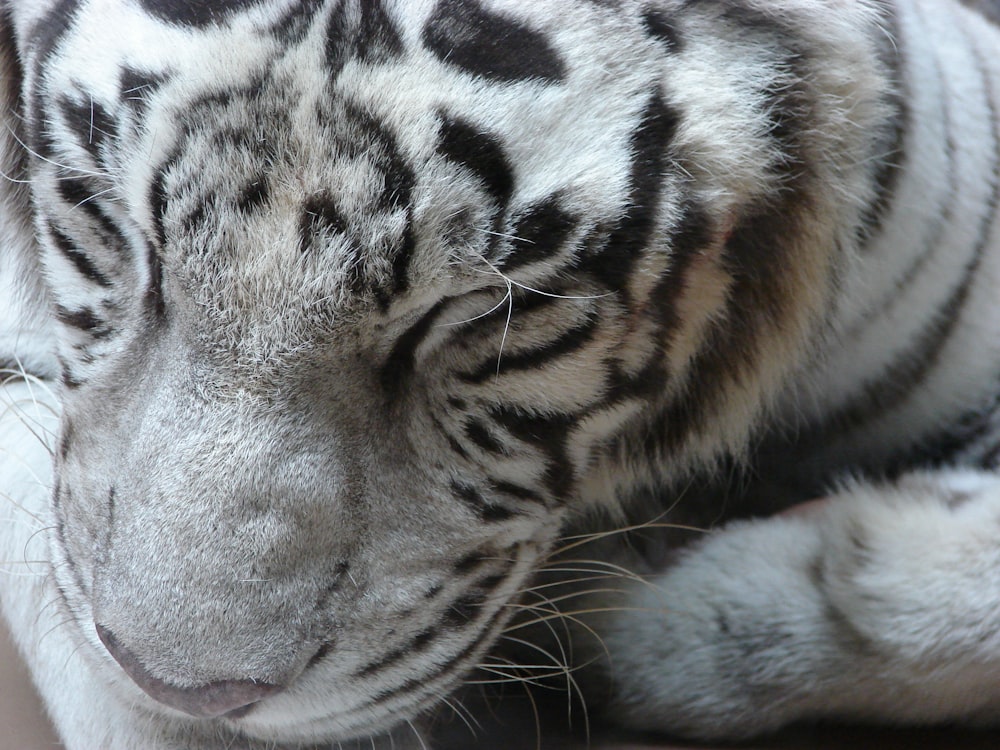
[223, 697]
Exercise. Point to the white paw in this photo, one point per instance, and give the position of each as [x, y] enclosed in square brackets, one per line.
[882, 603]
[718, 646]
[915, 566]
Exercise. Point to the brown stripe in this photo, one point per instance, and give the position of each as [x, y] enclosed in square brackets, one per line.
[892, 146]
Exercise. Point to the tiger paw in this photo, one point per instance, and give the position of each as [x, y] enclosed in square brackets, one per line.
[881, 604]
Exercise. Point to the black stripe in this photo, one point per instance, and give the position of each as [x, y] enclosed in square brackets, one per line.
[154, 300]
[932, 245]
[69, 380]
[157, 198]
[254, 195]
[321, 216]
[135, 88]
[481, 153]
[294, 25]
[66, 435]
[516, 490]
[463, 610]
[660, 26]
[632, 234]
[547, 432]
[198, 14]
[321, 653]
[479, 434]
[192, 220]
[416, 645]
[433, 591]
[453, 443]
[788, 108]
[447, 670]
[464, 34]
[474, 499]
[539, 233]
[362, 31]
[399, 365]
[692, 233]
[110, 527]
[61, 497]
[90, 121]
[80, 260]
[774, 26]
[338, 578]
[402, 257]
[891, 146]
[338, 32]
[399, 179]
[958, 442]
[236, 138]
[84, 319]
[381, 40]
[471, 562]
[45, 37]
[49, 30]
[646, 383]
[82, 194]
[991, 458]
[909, 368]
[569, 341]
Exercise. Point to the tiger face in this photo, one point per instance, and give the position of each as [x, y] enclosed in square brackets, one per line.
[357, 309]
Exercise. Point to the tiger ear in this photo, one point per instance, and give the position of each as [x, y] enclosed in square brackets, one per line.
[26, 336]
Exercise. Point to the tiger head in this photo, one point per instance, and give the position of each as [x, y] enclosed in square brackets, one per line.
[357, 310]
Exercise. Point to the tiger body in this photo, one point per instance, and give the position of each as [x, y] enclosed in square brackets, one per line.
[355, 309]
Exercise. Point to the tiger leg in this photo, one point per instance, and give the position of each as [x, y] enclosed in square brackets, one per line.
[883, 604]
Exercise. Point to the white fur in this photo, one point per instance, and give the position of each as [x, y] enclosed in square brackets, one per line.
[882, 602]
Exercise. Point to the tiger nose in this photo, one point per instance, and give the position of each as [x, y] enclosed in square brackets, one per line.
[233, 698]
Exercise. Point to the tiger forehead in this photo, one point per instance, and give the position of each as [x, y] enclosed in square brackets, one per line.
[289, 167]
[327, 168]
[374, 155]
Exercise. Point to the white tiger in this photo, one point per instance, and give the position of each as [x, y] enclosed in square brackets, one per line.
[340, 317]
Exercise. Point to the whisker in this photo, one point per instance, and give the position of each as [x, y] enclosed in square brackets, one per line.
[494, 271]
[492, 310]
[578, 540]
[575, 593]
[573, 687]
[570, 581]
[607, 566]
[96, 195]
[420, 739]
[572, 615]
[508, 679]
[20, 506]
[462, 713]
[35, 154]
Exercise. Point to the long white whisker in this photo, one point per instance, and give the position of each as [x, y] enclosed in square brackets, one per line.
[492, 310]
[28, 149]
[494, 271]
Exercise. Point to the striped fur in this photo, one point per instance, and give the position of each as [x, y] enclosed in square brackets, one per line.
[356, 307]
